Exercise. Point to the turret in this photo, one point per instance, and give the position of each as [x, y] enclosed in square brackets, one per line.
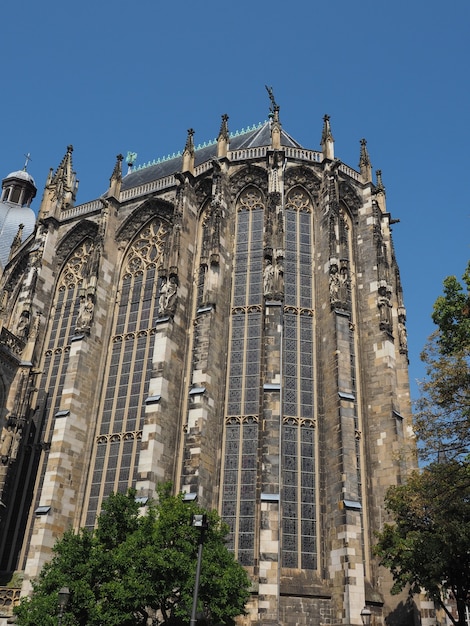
[17, 218]
[18, 188]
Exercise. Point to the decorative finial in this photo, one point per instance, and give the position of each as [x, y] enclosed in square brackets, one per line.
[28, 158]
[116, 177]
[326, 132]
[188, 153]
[189, 141]
[274, 108]
[131, 158]
[223, 132]
[223, 138]
[380, 185]
[364, 162]
[327, 141]
[364, 157]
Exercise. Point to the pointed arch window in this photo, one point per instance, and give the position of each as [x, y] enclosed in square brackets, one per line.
[128, 369]
[243, 405]
[298, 432]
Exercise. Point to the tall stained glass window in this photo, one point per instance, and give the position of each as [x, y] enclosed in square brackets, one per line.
[61, 330]
[298, 434]
[128, 369]
[243, 405]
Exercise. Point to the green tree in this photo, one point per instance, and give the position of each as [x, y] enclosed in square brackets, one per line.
[442, 412]
[442, 416]
[428, 546]
[133, 567]
[452, 315]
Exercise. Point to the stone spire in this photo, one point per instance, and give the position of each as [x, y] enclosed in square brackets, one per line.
[223, 138]
[380, 192]
[364, 163]
[61, 186]
[188, 153]
[116, 178]
[327, 141]
[65, 180]
[16, 241]
[275, 122]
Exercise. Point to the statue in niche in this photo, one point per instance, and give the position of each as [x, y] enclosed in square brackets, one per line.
[7, 438]
[343, 287]
[334, 284]
[167, 299]
[22, 329]
[268, 278]
[402, 336]
[85, 314]
[384, 308]
[15, 444]
[279, 276]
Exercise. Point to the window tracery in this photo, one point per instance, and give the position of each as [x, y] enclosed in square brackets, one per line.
[298, 439]
[129, 367]
[241, 446]
[147, 250]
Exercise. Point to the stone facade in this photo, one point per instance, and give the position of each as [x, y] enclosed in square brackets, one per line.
[231, 320]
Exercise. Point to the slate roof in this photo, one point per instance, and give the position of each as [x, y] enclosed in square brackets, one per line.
[254, 138]
[11, 216]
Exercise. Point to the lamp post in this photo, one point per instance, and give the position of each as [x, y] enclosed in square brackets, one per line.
[198, 521]
[63, 600]
[366, 616]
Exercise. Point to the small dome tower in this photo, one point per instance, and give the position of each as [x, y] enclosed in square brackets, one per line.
[18, 191]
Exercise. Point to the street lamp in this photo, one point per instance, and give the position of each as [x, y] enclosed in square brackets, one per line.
[366, 616]
[198, 521]
[64, 595]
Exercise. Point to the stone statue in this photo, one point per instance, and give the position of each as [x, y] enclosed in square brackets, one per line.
[7, 438]
[162, 298]
[384, 308]
[171, 294]
[22, 329]
[85, 314]
[15, 444]
[167, 299]
[334, 284]
[402, 336]
[268, 279]
[344, 282]
[279, 276]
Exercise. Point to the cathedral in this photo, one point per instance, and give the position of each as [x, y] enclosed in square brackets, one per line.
[230, 319]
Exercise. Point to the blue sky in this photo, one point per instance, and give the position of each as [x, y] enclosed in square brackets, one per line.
[109, 77]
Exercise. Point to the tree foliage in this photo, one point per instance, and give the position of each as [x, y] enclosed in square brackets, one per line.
[133, 567]
[428, 546]
[452, 315]
[442, 417]
[442, 412]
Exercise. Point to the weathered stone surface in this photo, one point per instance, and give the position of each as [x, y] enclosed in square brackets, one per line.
[241, 342]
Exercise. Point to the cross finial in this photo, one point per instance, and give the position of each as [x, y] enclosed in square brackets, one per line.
[28, 158]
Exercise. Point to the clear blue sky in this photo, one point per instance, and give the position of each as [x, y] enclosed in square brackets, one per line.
[109, 77]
